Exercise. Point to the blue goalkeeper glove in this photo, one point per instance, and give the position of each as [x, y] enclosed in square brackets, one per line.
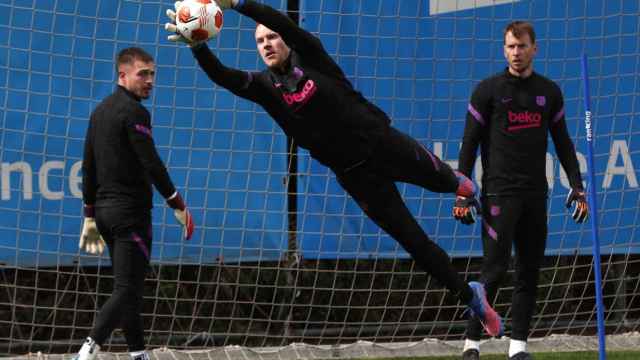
[577, 201]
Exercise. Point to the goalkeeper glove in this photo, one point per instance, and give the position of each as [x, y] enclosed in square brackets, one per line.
[577, 200]
[182, 214]
[466, 207]
[90, 240]
[172, 28]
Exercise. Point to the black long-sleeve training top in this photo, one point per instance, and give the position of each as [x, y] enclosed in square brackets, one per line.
[510, 118]
[312, 101]
[120, 160]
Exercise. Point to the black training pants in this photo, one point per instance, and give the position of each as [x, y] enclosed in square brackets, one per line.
[520, 221]
[372, 185]
[128, 236]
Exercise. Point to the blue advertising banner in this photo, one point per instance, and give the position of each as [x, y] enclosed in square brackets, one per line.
[418, 61]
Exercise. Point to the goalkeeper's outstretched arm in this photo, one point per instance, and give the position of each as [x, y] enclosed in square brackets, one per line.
[293, 35]
[237, 81]
[303, 42]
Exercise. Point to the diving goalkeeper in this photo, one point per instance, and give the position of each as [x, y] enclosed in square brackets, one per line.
[510, 116]
[308, 95]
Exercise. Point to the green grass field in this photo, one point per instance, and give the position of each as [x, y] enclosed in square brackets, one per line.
[578, 355]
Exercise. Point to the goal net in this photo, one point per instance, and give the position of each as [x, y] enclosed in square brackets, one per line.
[281, 256]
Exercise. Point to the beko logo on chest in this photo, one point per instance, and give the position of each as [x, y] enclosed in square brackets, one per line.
[526, 119]
[301, 96]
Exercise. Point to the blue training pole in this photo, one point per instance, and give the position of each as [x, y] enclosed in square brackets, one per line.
[591, 180]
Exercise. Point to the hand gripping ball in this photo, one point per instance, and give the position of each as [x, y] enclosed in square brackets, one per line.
[198, 20]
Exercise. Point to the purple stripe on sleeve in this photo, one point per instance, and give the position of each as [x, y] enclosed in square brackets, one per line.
[475, 114]
[143, 129]
[558, 116]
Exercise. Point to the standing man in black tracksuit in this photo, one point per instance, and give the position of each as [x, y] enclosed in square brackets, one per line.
[119, 167]
[310, 98]
[510, 116]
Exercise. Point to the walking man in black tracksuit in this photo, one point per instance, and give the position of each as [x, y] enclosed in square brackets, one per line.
[119, 167]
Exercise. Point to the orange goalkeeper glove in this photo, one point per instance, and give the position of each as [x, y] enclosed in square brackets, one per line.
[466, 207]
[577, 201]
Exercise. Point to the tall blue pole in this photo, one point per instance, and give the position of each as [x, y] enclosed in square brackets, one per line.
[591, 180]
